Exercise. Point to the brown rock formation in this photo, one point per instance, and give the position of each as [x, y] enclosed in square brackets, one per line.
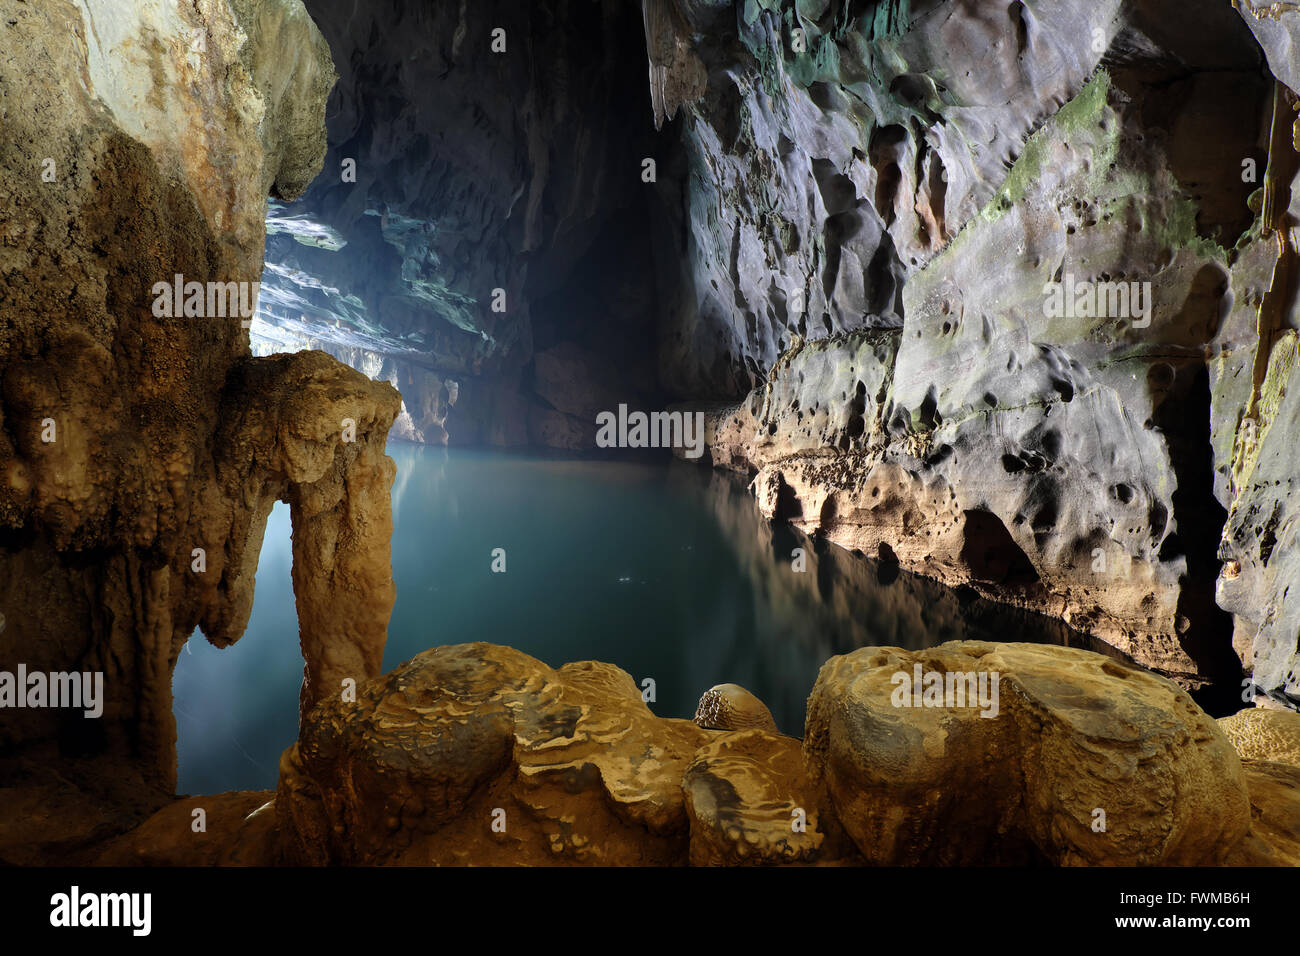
[750, 803]
[233, 829]
[141, 454]
[731, 707]
[478, 753]
[1268, 742]
[1271, 735]
[1274, 838]
[1075, 742]
[314, 437]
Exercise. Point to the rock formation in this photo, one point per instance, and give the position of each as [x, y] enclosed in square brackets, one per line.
[142, 454]
[1079, 759]
[1268, 742]
[1001, 295]
[1265, 735]
[480, 753]
[747, 796]
[238, 830]
[731, 707]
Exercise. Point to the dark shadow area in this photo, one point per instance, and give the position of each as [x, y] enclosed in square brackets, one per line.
[993, 555]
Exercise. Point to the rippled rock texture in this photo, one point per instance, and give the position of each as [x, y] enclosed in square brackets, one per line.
[1269, 744]
[1271, 735]
[480, 753]
[141, 455]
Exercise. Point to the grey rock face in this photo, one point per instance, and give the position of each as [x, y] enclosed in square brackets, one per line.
[290, 64]
[831, 158]
[1260, 548]
[1254, 416]
[1055, 455]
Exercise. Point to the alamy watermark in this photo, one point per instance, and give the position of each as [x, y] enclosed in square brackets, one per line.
[77, 909]
[212, 300]
[924, 688]
[1071, 299]
[651, 430]
[59, 689]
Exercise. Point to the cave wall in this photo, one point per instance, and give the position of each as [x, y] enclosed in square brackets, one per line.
[1254, 424]
[920, 174]
[142, 453]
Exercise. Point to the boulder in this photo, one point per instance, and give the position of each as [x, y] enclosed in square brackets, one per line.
[750, 804]
[1076, 759]
[476, 753]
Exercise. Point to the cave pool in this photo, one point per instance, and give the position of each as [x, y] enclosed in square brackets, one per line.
[664, 568]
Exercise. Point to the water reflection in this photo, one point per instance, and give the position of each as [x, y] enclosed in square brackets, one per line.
[237, 709]
[842, 601]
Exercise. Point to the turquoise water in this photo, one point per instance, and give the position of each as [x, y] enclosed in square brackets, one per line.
[665, 569]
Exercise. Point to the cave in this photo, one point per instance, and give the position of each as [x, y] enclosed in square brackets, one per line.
[548, 433]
